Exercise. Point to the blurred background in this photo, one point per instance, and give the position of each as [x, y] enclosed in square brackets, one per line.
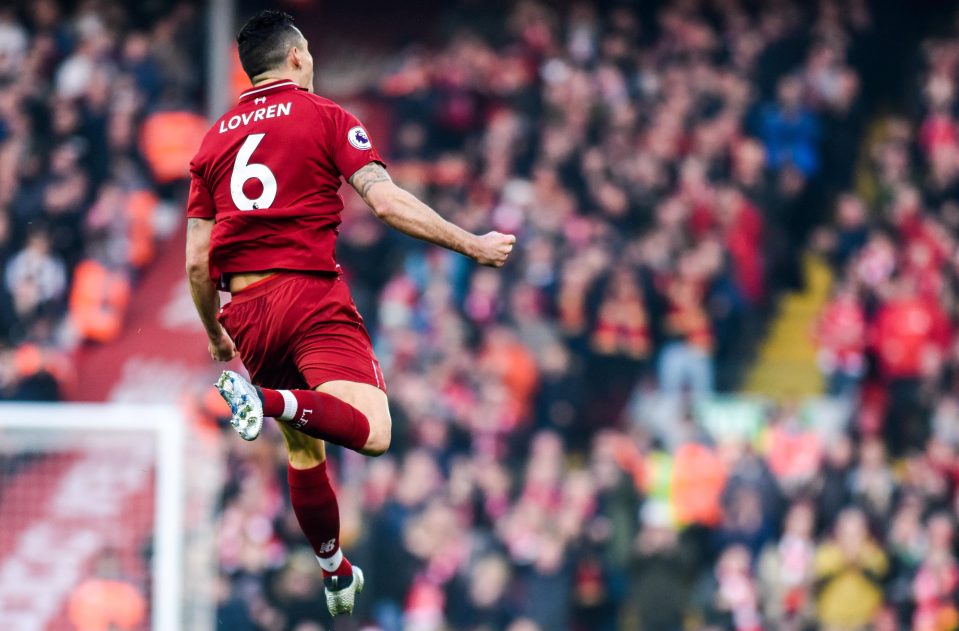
[715, 388]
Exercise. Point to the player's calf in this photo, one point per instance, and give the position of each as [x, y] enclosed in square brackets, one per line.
[317, 511]
[303, 452]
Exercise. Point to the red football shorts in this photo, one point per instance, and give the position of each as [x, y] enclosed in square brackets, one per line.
[298, 330]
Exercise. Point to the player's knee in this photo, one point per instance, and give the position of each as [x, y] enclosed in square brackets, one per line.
[379, 441]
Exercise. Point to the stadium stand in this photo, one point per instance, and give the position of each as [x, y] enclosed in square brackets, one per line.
[561, 459]
[664, 171]
[96, 106]
[84, 203]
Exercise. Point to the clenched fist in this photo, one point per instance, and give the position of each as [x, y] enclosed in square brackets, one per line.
[493, 248]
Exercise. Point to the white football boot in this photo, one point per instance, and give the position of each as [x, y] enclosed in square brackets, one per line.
[244, 402]
[340, 594]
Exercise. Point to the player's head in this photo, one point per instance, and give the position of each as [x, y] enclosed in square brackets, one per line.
[271, 47]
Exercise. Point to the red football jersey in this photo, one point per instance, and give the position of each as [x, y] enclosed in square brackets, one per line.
[268, 172]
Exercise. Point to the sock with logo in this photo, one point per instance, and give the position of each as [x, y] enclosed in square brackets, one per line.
[319, 415]
[314, 503]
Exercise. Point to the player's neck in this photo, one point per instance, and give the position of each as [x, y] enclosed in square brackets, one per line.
[271, 78]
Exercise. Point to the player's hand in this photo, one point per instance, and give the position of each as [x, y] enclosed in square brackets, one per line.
[222, 348]
[493, 248]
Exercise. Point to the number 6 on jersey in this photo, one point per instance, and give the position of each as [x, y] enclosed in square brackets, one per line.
[244, 170]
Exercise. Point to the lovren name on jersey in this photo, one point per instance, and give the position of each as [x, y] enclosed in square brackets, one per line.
[268, 172]
[282, 109]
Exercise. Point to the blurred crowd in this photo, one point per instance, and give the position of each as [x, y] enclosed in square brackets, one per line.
[95, 109]
[886, 337]
[664, 165]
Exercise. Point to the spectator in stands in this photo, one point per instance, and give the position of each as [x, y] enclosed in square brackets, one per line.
[36, 279]
[849, 572]
[77, 84]
[871, 482]
[794, 451]
[686, 360]
[662, 571]
[790, 130]
[937, 578]
[106, 601]
[841, 338]
[785, 572]
[911, 337]
[729, 596]
[483, 603]
[833, 492]
[654, 228]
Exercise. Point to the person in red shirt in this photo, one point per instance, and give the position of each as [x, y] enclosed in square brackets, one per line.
[840, 337]
[910, 337]
[263, 212]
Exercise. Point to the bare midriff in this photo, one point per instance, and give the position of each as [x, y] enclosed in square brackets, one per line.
[239, 282]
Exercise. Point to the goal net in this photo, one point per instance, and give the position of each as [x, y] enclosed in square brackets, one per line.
[92, 520]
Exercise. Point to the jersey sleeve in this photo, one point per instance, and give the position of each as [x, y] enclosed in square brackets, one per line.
[350, 144]
[199, 204]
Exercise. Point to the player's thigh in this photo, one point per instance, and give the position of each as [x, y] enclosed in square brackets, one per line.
[304, 452]
[261, 341]
[331, 342]
[369, 400]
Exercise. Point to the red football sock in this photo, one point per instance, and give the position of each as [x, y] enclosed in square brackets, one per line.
[314, 503]
[319, 415]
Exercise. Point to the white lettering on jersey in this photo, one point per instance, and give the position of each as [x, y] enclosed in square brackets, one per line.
[262, 113]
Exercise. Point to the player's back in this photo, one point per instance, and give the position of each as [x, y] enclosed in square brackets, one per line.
[268, 172]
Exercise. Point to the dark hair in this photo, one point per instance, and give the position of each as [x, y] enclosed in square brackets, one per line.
[264, 41]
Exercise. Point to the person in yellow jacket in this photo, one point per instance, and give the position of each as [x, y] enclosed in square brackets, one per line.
[849, 569]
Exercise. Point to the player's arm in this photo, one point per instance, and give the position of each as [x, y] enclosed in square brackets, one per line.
[205, 296]
[401, 210]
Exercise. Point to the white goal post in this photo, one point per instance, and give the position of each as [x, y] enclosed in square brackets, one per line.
[76, 471]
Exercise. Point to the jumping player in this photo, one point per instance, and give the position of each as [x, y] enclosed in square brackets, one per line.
[262, 217]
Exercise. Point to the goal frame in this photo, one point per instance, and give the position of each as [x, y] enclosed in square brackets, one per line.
[168, 423]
